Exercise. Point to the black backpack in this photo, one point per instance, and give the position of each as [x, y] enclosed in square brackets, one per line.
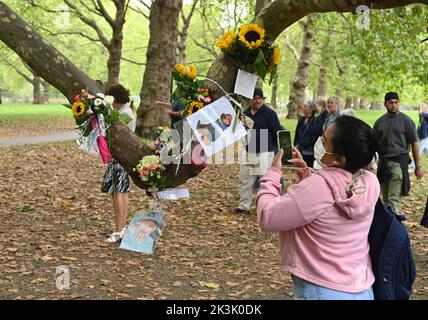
[391, 255]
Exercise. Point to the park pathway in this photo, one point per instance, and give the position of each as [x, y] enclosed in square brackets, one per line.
[61, 136]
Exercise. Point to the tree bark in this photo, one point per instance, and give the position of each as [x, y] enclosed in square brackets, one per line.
[115, 45]
[182, 35]
[273, 99]
[322, 82]
[37, 93]
[348, 102]
[355, 101]
[300, 82]
[161, 54]
[45, 97]
[41, 57]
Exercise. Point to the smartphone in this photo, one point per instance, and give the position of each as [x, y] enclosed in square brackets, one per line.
[284, 142]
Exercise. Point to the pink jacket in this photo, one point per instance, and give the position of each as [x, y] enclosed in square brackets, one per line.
[322, 231]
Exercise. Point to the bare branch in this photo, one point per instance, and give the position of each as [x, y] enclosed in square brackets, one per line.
[133, 62]
[46, 9]
[19, 71]
[291, 47]
[105, 14]
[82, 2]
[90, 22]
[206, 47]
[69, 33]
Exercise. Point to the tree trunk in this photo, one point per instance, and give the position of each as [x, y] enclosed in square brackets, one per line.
[300, 82]
[114, 59]
[348, 102]
[115, 46]
[160, 61]
[274, 91]
[375, 105]
[355, 101]
[364, 104]
[322, 82]
[41, 57]
[37, 93]
[46, 86]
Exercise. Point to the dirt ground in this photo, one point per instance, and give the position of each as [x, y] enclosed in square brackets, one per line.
[53, 214]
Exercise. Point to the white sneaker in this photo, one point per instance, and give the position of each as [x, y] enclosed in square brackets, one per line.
[116, 236]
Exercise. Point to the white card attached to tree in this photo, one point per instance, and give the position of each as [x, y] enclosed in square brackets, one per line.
[245, 84]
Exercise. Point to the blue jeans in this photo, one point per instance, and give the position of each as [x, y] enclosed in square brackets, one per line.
[304, 290]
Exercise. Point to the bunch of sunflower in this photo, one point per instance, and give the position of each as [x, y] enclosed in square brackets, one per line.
[86, 106]
[190, 92]
[251, 50]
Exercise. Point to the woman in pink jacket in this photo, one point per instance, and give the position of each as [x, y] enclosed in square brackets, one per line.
[324, 220]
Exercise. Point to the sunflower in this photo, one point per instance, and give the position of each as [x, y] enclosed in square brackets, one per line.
[78, 108]
[194, 106]
[276, 55]
[226, 40]
[251, 35]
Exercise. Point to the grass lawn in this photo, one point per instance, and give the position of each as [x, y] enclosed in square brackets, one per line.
[32, 112]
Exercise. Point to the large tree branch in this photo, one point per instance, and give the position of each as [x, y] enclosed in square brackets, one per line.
[280, 14]
[46, 61]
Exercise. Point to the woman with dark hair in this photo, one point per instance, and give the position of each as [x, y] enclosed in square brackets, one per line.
[116, 181]
[324, 220]
[307, 132]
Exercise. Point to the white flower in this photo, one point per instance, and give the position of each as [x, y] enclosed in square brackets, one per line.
[100, 95]
[109, 100]
[98, 102]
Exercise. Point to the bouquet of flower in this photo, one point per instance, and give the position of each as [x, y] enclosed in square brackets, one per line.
[190, 92]
[92, 114]
[150, 169]
[251, 50]
[87, 106]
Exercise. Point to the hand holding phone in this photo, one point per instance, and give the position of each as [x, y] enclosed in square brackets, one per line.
[284, 142]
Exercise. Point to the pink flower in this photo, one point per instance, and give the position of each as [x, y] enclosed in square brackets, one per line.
[203, 90]
[76, 98]
[151, 168]
[143, 173]
[207, 99]
[90, 97]
[200, 97]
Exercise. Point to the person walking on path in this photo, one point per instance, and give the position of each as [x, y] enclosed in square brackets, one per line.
[260, 151]
[397, 133]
